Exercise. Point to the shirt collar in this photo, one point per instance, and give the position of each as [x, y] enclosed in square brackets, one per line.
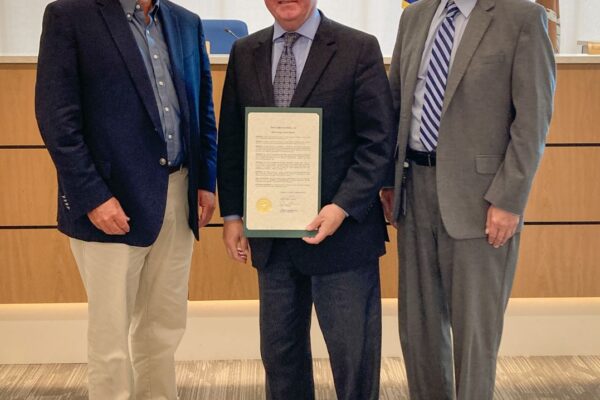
[465, 6]
[308, 29]
[129, 6]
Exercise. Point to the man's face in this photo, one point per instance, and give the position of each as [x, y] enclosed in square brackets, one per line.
[291, 14]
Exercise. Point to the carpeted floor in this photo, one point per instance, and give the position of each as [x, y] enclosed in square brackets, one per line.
[518, 378]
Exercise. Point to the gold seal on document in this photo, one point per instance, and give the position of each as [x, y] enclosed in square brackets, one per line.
[264, 205]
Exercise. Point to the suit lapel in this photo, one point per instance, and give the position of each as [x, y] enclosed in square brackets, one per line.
[321, 51]
[423, 24]
[262, 64]
[115, 19]
[172, 33]
[476, 27]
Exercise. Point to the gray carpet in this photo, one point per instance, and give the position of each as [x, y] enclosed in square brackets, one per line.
[518, 378]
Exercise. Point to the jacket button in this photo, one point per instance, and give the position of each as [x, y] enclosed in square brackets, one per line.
[162, 162]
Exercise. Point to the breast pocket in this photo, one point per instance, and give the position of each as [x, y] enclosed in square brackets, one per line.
[488, 59]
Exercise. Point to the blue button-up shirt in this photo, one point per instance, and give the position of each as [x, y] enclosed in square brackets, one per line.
[155, 53]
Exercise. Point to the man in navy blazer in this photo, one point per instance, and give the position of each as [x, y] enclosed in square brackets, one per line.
[340, 70]
[124, 105]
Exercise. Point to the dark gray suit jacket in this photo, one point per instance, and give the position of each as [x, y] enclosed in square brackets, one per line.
[345, 76]
[496, 110]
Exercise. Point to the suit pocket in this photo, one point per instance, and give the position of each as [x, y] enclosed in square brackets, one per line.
[490, 59]
[488, 164]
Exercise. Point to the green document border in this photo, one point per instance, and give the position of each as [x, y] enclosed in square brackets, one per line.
[266, 233]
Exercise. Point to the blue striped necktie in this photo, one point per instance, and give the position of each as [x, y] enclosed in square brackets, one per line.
[437, 76]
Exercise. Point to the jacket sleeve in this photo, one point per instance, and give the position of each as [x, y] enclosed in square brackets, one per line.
[533, 84]
[374, 127]
[230, 171]
[61, 118]
[208, 127]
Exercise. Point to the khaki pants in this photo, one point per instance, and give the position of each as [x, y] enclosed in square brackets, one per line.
[138, 296]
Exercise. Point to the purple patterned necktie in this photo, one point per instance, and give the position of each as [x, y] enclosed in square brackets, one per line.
[284, 84]
[437, 77]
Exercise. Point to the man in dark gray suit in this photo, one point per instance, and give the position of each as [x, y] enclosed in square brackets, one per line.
[473, 82]
[341, 71]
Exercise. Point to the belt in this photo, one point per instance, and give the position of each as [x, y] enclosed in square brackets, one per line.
[421, 157]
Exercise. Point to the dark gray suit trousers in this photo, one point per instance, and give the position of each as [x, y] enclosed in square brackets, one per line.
[348, 307]
[452, 298]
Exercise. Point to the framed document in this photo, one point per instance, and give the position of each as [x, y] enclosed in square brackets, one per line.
[282, 190]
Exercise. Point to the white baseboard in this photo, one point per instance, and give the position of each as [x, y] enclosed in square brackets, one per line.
[56, 333]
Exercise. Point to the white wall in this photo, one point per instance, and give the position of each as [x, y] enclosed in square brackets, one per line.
[20, 20]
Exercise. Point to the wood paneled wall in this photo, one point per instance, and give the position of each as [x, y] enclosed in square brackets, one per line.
[560, 243]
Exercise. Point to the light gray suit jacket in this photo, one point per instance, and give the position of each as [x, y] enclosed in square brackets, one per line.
[496, 111]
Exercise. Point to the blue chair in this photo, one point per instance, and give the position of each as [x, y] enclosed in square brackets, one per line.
[221, 33]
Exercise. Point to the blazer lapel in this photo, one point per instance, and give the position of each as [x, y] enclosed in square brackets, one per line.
[172, 33]
[321, 51]
[476, 27]
[115, 19]
[262, 64]
[416, 56]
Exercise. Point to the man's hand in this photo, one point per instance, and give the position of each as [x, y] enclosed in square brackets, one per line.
[236, 243]
[110, 218]
[500, 226]
[387, 201]
[206, 203]
[327, 222]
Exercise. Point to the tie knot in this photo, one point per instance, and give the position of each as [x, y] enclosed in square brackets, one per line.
[451, 9]
[290, 38]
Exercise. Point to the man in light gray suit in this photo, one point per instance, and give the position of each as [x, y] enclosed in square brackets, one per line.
[473, 84]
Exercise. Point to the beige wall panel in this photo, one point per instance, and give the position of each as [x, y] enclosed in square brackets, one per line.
[567, 186]
[37, 267]
[555, 261]
[576, 118]
[17, 116]
[29, 191]
[218, 77]
[559, 261]
[216, 277]
[388, 266]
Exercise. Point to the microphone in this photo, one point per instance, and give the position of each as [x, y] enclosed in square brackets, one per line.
[231, 33]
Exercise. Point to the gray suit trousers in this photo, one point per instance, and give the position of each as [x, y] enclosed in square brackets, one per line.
[452, 298]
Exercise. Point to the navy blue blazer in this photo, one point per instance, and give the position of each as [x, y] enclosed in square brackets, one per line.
[345, 76]
[98, 117]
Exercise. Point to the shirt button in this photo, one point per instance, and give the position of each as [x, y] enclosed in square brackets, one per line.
[128, 16]
[156, 55]
[170, 136]
[161, 83]
[162, 162]
[137, 7]
[167, 109]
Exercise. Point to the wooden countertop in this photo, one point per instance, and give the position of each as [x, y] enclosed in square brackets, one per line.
[223, 59]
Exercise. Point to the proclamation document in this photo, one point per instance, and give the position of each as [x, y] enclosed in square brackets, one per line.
[283, 171]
